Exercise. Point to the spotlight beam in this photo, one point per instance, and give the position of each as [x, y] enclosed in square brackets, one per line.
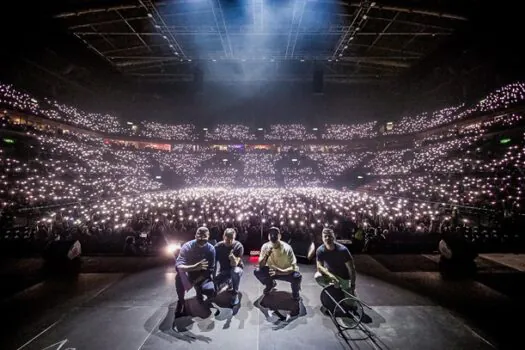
[258, 15]
[298, 11]
[222, 29]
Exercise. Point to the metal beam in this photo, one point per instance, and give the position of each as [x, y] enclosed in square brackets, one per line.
[419, 11]
[376, 80]
[105, 39]
[153, 66]
[236, 60]
[113, 21]
[266, 33]
[159, 23]
[386, 62]
[405, 45]
[222, 29]
[410, 23]
[189, 77]
[440, 14]
[96, 10]
[422, 12]
[414, 53]
[130, 48]
[89, 11]
[298, 11]
[357, 23]
[134, 31]
[383, 32]
[93, 48]
[378, 37]
[148, 61]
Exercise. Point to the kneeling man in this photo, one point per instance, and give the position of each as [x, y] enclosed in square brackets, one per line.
[195, 265]
[228, 253]
[277, 261]
[335, 264]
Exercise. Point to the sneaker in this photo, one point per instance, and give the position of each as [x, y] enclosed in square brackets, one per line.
[294, 313]
[324, 310]
[269, 288]
[235, 300]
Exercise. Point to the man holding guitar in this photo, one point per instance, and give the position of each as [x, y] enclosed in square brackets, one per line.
[335, 264]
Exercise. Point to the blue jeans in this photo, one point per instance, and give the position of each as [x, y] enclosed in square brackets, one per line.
[204, 287]
[263, 275]
[225, 275]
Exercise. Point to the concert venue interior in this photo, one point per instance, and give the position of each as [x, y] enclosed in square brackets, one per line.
[127, 125]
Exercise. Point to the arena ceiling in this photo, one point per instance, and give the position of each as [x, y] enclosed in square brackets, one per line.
[351, 41]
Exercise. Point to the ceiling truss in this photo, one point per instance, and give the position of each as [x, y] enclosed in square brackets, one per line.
[367, 39]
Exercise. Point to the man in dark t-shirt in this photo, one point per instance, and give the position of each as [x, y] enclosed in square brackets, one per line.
[228, 254]
[335, 264]
[195, 265]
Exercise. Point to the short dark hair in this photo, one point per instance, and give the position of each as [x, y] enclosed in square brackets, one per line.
[202, 230]
[274, 231]
[230, 232]
[328, 231]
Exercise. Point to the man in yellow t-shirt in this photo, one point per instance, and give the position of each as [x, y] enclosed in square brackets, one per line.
[277, 261]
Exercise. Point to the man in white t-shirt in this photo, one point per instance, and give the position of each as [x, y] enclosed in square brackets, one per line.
[277, 262]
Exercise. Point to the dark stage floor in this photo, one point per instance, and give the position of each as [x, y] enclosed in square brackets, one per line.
[135, 311]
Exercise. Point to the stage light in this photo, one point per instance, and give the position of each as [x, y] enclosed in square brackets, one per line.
[172, 248]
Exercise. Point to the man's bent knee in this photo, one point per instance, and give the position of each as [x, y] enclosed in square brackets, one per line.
[261, 271]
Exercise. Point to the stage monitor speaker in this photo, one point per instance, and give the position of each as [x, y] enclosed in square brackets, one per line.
[62, 258]
[303, 248]
[62, 251]
[318, 81]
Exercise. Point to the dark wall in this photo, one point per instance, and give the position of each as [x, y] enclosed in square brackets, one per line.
[41, 57]
[259, 104]
[485, 54]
